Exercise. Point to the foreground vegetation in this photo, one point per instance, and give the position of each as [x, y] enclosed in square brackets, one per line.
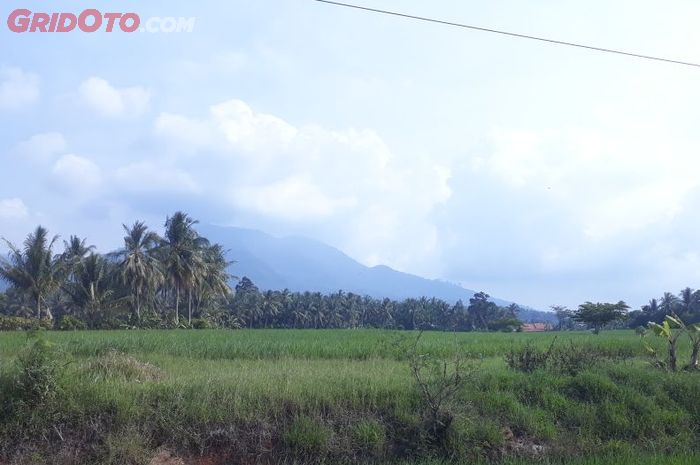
[273, 396]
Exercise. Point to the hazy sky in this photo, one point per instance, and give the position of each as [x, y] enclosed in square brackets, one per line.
[537, 173]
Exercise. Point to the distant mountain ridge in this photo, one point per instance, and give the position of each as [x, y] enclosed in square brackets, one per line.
[303, 264]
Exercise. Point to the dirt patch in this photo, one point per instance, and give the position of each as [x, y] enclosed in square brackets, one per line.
[166, 458]
[522, 446]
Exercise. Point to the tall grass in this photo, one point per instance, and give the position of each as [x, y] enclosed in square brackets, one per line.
[127, 393]
[318, 344]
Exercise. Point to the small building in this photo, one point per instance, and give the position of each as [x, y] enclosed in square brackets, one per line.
[535, 327]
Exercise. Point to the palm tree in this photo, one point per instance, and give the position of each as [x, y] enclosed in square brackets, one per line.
[90, 291]
[76, 248]
[181, 254]
[139, 267]
[653, 306]
[688, 301]
[213, 278]
[33, 268]
[669, 303]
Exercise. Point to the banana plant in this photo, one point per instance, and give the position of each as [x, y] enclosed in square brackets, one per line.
[671, 329]
[694, 335]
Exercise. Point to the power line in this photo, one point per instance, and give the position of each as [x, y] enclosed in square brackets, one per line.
[506, 33]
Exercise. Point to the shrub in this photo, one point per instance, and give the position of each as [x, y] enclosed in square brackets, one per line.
[200, 323]
[570, 360]
[15, 323]
[38, 373]
[369, 436]
[573, 359]
[117, 365]
[528, 358]
[71, 323]
[438, 383]
[307, 437]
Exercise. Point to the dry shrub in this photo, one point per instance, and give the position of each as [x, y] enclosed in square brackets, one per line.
[115, 364]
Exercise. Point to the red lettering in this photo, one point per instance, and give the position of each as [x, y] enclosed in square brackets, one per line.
[136, 21]
[111, 17]
[68, 26]
[18, 21]
[39, 22]
[97, 20]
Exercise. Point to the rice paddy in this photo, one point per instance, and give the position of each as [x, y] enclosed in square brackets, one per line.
[346, 396]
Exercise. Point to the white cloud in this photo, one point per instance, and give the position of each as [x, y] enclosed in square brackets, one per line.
[13, 209]
[183, 133]
[612, 182]
[76, 174]
[18, 88]
[107, 100]
[146, 176]
[348, 178]
[291, 199]
[41, 148]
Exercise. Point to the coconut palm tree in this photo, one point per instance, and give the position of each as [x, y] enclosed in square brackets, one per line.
[90, 291]
[181, 256]
[76, 248]
[33, 269]
[139, 268]
[669, 303]
[688, 302]
[213, 279]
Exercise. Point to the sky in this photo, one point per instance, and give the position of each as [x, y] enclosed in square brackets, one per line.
[537, 173]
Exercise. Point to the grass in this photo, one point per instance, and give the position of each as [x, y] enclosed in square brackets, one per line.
[343, 396]
[315, 344]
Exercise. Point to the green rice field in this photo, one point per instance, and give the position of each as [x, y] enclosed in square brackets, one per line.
[345, 396]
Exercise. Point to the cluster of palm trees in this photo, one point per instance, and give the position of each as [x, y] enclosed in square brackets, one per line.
[253, 308]
[148, 281]
[686, 305]
[148, 272]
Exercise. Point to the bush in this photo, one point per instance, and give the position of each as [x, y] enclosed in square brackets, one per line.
[39, 370]
[369, 436]
[307, 437]
[574, 359]
[117, 365]
[71, 323]
[200, 323]
[438, 383]
[15, 323]
[528, 358]
[570, 360]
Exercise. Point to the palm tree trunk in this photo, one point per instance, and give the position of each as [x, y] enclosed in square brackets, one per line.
[177, 305]
[138, 305]
[694, 356]
[38, 306]
[189, 306]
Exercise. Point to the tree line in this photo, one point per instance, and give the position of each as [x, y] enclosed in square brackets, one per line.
[685, 306]
[180, 278]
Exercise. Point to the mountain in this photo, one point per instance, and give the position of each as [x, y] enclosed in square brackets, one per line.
[302, 264]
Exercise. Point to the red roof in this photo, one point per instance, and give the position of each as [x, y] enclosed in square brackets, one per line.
[533, 327]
